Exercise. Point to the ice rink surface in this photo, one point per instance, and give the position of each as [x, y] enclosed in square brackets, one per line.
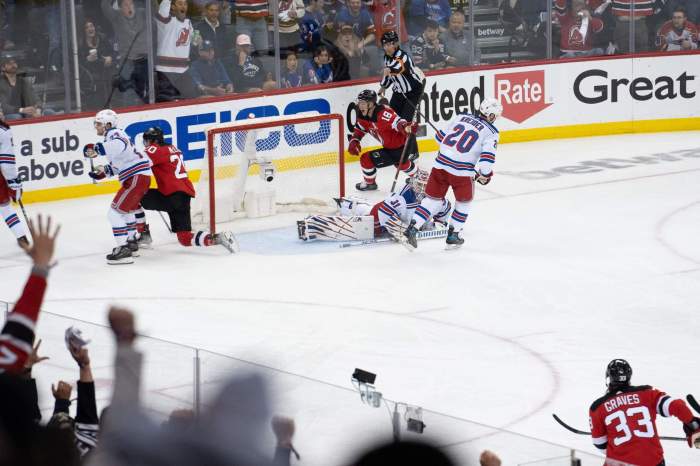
[578, 252]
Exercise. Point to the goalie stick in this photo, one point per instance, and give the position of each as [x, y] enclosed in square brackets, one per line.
[584, 432]
[427, 234]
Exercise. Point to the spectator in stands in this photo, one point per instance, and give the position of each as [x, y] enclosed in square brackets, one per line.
[175, 33]
[212, 29]
[209, 74]
[420, 11]
[458, 44]
[251, 20]
[97, 65]
[578, 27]
[292, 74]
[348, 44]
[622, 11]
[428, 51]
[319, 70]
[85, 425]
[130, 30]
[290, 12]
[313, 26]
[247, 72]
[678, 33]
[363, 27]
[17, 96]
[404, 453]
[692, 9]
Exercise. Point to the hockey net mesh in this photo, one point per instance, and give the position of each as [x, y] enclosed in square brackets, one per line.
[304, 154]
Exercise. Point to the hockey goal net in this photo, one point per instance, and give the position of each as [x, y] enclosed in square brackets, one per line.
[262, 166]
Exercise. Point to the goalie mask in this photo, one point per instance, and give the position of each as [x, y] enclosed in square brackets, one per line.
[419, 181]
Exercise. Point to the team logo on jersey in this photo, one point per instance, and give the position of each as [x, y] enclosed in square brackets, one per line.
[522, 94]
[183, 37]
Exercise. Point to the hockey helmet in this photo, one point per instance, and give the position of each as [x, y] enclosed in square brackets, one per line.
[106, 116]
[419, 181]
[368, 95]
[154, 135]
[390, 37]
[490, 109]
[618, 374]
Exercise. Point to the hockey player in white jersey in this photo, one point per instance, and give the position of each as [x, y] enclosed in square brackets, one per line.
[387, 217]
[10, 184]
[134, 172]
[467, 152]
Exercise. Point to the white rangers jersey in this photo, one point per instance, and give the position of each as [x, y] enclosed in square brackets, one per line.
[7, 154]
[466, 146]
[123, 157]
[174, 38]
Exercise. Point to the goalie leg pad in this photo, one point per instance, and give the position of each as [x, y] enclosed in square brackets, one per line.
[336, 228]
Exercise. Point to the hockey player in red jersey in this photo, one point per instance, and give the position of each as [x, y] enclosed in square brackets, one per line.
[174, 193]
[623, 421]
[392, 131]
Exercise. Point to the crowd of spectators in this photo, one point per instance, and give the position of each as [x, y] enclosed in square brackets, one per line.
[218, 47]
[229, 431]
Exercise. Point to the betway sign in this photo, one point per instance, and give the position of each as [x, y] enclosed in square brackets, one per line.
[522, 94]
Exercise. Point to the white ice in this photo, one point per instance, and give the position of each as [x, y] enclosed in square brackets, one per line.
[562, 271]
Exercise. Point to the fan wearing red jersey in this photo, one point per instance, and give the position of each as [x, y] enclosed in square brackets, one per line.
[173, 195]
[392, 131]
[623, 421]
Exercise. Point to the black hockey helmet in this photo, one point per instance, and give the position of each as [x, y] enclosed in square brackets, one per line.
[390, 37]
[618, 374]
[368, 95]
[154, 135]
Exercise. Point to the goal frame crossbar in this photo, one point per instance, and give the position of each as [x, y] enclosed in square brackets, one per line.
[270, 122]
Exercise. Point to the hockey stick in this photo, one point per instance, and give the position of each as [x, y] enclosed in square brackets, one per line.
[693, 402]
[415, 107]
[121, 67]
[24, 212]
[405, 146]
[583, 432]
[167, 225]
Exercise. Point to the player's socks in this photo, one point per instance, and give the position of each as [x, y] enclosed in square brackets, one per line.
[12, 221]
[119, 228]
[195, 238]
[140, 217]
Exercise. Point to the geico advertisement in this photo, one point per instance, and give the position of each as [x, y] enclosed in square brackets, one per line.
[50, 154]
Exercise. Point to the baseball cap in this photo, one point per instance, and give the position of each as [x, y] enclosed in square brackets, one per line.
[243, 39]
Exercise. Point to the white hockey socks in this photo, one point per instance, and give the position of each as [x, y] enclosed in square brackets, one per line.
[459, 215]
[427, 208]
[140, 220]
[130, 225]
[12, 220]
[119, 227]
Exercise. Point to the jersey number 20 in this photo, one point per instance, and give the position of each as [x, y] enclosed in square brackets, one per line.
[465, 142]
[638, 415]
[180, 172]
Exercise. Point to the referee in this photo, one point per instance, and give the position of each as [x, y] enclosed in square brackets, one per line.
[401, 73]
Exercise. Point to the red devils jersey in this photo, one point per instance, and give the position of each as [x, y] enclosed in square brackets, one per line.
[626, 422]
[169, 169]
[382, 125]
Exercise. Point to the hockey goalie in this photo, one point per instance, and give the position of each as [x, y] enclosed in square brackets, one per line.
[358, 220]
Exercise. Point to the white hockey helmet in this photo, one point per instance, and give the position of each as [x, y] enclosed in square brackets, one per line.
[106, 116]
[419, 181]
[491, 109]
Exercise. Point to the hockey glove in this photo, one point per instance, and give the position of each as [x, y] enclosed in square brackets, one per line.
[354, 147]
[692, 432]
[98, 173]
[15, 189]
[483, 179]
[407, 126]
[89, 151]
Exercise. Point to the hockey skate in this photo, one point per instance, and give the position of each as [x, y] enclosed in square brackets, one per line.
[120, 255]
[454, 241]
[409, 236]
[364, 186]
[227, 240]
[133, 246]
[144, 239]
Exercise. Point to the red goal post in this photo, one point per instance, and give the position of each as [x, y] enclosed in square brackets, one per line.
[304, 155]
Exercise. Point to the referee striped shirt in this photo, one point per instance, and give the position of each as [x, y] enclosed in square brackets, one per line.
[405, 76]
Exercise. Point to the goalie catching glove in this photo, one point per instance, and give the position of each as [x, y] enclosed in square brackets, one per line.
[354, 148]
[483, 179]
[15, 189]
[692, 432]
